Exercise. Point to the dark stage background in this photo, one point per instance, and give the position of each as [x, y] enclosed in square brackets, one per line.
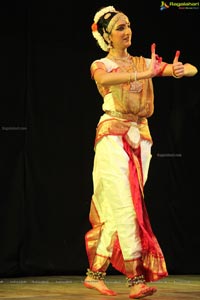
[49, 109]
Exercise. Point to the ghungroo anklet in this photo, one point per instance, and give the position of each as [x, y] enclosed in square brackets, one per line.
[135, 280]
[96, 274]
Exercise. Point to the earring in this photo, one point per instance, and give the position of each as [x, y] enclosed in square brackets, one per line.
[110, 45]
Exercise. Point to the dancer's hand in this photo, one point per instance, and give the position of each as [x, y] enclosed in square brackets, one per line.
[156, 62]
[177, 66]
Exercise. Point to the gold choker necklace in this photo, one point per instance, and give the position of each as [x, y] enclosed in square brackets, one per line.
[123, 58]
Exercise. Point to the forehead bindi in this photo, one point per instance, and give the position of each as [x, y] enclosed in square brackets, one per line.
[123, 21]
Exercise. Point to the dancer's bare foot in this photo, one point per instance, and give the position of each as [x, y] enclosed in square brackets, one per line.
[141, 290]
[98, 285]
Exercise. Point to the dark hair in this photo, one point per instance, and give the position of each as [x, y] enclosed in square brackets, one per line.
[103, 23]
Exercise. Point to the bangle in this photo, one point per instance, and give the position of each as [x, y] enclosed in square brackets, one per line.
[130, 78]
[177, 77]
[135, 75]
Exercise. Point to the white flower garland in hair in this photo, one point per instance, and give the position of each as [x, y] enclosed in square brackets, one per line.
[100, 39]
[102, 12]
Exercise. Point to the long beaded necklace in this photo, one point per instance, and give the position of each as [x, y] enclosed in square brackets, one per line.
[126, 64]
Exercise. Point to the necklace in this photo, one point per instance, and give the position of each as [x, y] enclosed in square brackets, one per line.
[126, 64]
[125, 59]
[136, 86]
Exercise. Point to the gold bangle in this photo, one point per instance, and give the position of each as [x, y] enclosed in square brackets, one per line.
[130, 78]
[135, 75]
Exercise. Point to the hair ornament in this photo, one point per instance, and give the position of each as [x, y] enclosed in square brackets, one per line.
[102, 12]
[102, 41]
[94, 27]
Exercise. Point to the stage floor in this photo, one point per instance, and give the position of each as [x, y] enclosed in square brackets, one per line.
[174, 287]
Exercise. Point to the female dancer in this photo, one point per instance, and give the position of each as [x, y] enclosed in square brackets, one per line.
[121, 233]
